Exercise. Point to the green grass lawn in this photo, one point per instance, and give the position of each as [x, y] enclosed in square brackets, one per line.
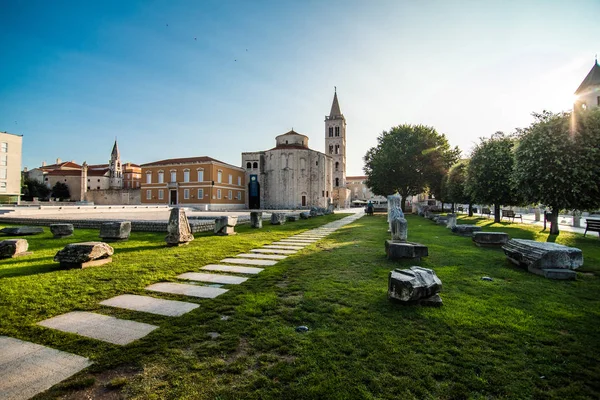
[520, 336]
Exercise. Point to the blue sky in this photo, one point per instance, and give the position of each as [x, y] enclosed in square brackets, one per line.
[216, 78]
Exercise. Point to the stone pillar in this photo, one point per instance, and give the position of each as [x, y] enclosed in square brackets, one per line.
[256, 219]
[537, 213]
[399, 229]
[451, 221]
[83, 189]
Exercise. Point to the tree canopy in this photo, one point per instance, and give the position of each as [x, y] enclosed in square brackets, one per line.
[61, 190]
[32, 188]
[456, 184]
[408, 159]
[490, 173]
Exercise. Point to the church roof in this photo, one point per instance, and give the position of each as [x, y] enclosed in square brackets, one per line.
[292, 132]
[335, 107]
[115, 150]
[592, 78]
[187, 160]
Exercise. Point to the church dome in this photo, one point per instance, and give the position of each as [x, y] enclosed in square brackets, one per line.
[292, 139]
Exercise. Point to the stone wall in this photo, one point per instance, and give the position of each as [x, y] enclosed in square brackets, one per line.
[114, 196]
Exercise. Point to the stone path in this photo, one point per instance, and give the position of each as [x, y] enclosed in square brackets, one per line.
[27, 369]
[97, 326]
[169, 308]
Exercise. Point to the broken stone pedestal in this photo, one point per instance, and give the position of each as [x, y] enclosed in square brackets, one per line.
[256, 219]
[116, 231]
[416, 285]
[83, 255]
[225, 226]
[399, 229]
[277, 218]
[451, 221]
[14, 248]
[465, 230]
[554, 261]
[398, 250]
[291, 218]
[22, 230]
[490, 239]
[305, 215]
[179, 232]
[60, 231]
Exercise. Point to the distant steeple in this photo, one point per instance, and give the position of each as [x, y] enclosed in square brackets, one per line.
[335, 106]
[592, 79]
[115, 151]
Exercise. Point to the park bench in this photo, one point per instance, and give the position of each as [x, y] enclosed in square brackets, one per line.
[592, 225]
[511, 214]
[369, 210]
[486, 211]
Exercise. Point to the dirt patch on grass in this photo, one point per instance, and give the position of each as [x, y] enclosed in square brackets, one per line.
[107, 385]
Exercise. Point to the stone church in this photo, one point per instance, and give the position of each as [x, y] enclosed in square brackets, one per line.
[291, 175]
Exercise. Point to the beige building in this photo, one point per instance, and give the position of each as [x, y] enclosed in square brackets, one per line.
[588, 92]
[11, 147]
[196, 181]
[132, 176]
[358, 188]
[290, 175]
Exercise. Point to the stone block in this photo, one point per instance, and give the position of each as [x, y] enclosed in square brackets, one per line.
[225, 226]
[256, 219]
[14, 248]
[178, 228]
[233, 268]
[465, 230]
[291, 218]
[305, 215]
[151, 305]
[403, 250]
[248, 261]
[415, 285]
[490, 239]
[115, 231]
[542, 255]
[22, 230]
[205, 292]
[554, 273]
[83, 255]
[213, 278]
[60, 231]
[277, 218]
[399, 229]
[451, 221]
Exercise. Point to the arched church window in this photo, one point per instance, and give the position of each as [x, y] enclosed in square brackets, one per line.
[337, 131]
[255, 165]
[337, 166]
[337, 182]
[330, 149]
[337, 149]
[331, 132]
[248, 165]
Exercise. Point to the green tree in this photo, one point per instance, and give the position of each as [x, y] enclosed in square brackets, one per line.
[61, 190]
[490, 173]
[32, 188]
[408, 159]
[557, 161]
[456, 185]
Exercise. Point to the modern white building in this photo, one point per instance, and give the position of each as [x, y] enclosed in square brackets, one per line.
[11, 148]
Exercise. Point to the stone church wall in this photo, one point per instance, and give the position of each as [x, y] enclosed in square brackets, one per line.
[114, 196]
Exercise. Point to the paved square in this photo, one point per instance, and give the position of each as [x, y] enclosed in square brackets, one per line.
[247, 261]
[233, 268]
[213, 278]
[263, 256]
[274, 251]
[98, 326]
[28, 368]
[204, 292]
[169, 308]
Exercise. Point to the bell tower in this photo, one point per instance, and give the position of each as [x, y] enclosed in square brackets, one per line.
[335, 142]
[115, 168]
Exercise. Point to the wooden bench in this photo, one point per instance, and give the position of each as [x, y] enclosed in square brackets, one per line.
[511, 214]
[486, 211]
[592, 225]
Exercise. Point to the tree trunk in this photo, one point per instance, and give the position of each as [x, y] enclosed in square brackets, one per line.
[496, 213]
[403, 203]
[470, 210]
[453, 207]
[442, 206]
[554, 221]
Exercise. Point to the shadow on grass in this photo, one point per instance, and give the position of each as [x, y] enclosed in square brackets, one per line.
[30, 270]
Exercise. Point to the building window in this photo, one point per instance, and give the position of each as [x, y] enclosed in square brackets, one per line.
[328, 193]
[98, 187]
[598, 101]
[337, 182]
[4, 160]
[4, 147]
[230, 179]
[148, 194]
[323, 193]
[337, 166]
[186, 194]
[161, 177]
[200, 175]
[330, 131]
[3, 174]
[239, 195]
[220, 176]
[330, 149]
[98, 180]
[2, 187]
[230, 195]
[88, 188]
[161, 194]
[173, 176]
[255, 165]
[200, 194]
[218, 193]
[337, 131]
[337, 149]
[248, 165]
[186, 175]
[239, 181]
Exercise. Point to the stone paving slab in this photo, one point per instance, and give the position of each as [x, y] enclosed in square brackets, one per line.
[213, 278]
[300, 244]
[233, 268]
[204, 292]
[309, 236]
[274, 251]
[247, 261]
[97, 326]
[283, 247]
[28, 368]
[169, 308]
[263, 256]
[299, 240]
